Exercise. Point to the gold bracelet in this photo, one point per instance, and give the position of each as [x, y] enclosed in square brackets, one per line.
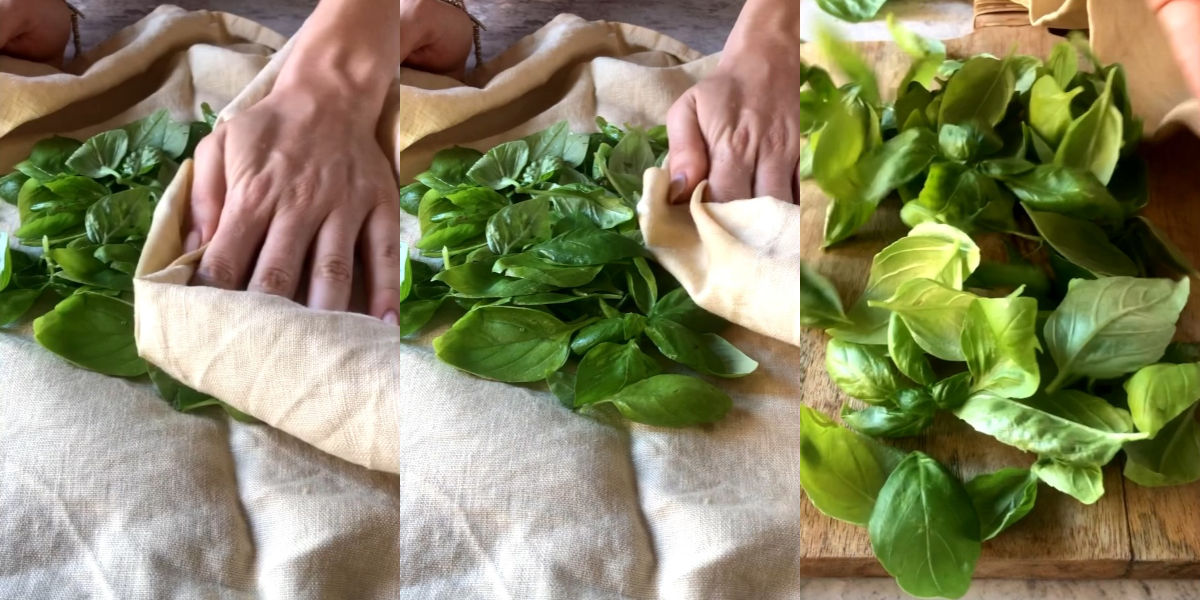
[476, 25]
[76, 15]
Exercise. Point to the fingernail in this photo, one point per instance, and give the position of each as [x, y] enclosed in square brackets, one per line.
[675, 193]
[391, 318]
[192, 242]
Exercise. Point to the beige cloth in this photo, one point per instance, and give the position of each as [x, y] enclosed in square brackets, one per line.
[500, 492]
[1064, 14]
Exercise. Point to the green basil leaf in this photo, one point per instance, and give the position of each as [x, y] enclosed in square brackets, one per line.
[608, 368]
[1084, 482]
[1032, 429]
[1107, 327]
[999, 341]
[414, 314]
[500, 166]
[1050, 109]
[592, 201]
[14, 303]
[1002, 498]
[704, 352]
[979, 91]
[951, 392]
[627, 163]
[1093, 141]
[529, 266]
[505, 343]
[676, 305]
[820, 305]
[968, 142]
[612, 329]
[953, 194]
[838, 149]
[932, 251]
[477, 280]
[158, 132]
[120, 217]
[1068, 191]
[934, 313]
[100, 155]
[1025, 70]
[924, 529]
[410, 197]
[1063, 64]
[906, 354]
[588, 246]
[927, 54]
[48, 225]
[1155, 248]
[10, 186]
[1081, 407]
[892, 422]
[852, 11]
[1159, 393]
[1171, 458]
[841, 471]
[1082, 243]
[517, 226]
[671, 401]
[94, 332]
[80, 192]
[562, 385]
[862, 371]
[6, 261]
[642, 284]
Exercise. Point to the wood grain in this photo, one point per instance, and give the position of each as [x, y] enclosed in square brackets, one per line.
[1061, 539]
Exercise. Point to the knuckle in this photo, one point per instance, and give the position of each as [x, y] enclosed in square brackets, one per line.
[335, 269]
[389, 253]
[257, 188]
[776, 140]
[741, 140]
[276, 280]
[218, 270]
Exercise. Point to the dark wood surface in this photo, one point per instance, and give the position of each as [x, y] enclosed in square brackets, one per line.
[702, 24]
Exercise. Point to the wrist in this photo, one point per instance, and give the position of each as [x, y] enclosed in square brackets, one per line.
[767, 29]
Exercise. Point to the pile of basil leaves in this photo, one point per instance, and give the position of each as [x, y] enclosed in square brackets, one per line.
[537, 241]
[85, 209]
[1064, 350]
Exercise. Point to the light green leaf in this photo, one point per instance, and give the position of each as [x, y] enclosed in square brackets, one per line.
[1002, 498]
[1093, 141]
[100, 155]
[505, 343]
[501, 166]
[907, 354]
[1159, 393]
[999, 341]
[1084, 482]
[841, 471]
[861, 371]
[1083, 243]
[820, 305]
[671, 400]
[607, 368]
[934, 314]
[1050, 109]
[1171, 458]
[979, 91]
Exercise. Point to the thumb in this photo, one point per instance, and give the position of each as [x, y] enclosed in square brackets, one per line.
[688, 162]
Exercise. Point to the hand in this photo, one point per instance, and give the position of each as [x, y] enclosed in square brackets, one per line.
[295, 181]
[1181, 21]
[739, 127]
[35, 30]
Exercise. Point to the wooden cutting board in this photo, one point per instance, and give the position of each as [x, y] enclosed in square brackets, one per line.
[1132, 531]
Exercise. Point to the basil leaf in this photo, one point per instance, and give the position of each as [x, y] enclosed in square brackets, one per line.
[158, 131]
[906, 354]
[1082, 243]
[6, 266]
[500, 167]
[927, 54]
[1025, 71]
[594, 202]
[933, 313]
[627, 163]
[841, 471]
[676, 305]
[120, 217]
[48, 225]
[517, 226]
[859, 72]
[861, 371]
[410, 197]
[505, 343]
[924, 530]
[612, 329]
[1171, 458]
[932, 251]
[1067, 191]
[1107, 327]
[1050, 109]
[1155, 248]
[999, 341]
[14, 303]
[608, 368]
[10, 186]
[529, 266]
[876, 175]
[1159, 393]
[588, 246]
[100, 155]
[952, 194]
[1002, 498]
[1084, 482]
[1032, 429]
[842, 142]
[979, 91]
[450, 169]
[912, 417]
[820, 305]
[94, 332]
[642, 284]
[1093, 141]
[477, 280]
[852, 11]
[1063, 64]
[562, 385]
[671, 400]
[414, 314]
[968, 142]
[705, 352]
[951, 392]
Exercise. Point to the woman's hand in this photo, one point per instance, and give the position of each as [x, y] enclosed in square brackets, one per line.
[35, 29]
[739, 127]
[292, 190]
